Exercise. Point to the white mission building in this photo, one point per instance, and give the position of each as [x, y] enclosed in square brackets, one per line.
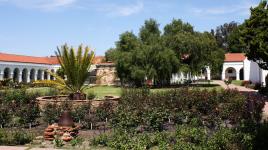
[27, 69]
[236, 66]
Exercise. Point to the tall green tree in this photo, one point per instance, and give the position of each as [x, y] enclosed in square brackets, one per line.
[227, 37]
[144, 57]
[194, 49]
[255, 35]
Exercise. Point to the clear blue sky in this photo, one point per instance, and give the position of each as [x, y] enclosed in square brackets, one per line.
[37, 27]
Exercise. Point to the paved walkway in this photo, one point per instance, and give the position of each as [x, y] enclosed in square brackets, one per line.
[243, 89]
[232, 86]
[12, 148]
[24, 148]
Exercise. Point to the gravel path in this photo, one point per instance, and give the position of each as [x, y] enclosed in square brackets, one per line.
[232, 86]
[12, 148]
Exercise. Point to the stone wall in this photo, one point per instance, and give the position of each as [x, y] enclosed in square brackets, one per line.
[105, 74]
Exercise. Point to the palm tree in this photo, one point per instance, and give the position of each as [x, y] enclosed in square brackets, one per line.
[75, 64]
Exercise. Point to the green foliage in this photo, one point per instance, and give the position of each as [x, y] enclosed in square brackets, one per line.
[51, 113]
[227, 37]
[224, 139]
[79, 112]
[15, 137]
[193, 48]
[20, 105]
[186, 137]
[110, 55]
[144, 57]
[77, 141]
[138, 108]
[60, 72]
[75, 65]
[91, 95]
[254, 35]
[28, 113]
[5, 114]
[101, 140]
[104, 111]
[58, 142]
[154, 118]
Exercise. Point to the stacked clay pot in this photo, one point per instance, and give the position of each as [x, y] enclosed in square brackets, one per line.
[66, 137]
[50, 132]
[63, 132]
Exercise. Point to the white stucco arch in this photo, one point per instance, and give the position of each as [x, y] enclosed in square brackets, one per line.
[7, 73]
[7, 69]
[40, 74]
[51, 76]
[33, 75]
[16, 75]
[237, 66]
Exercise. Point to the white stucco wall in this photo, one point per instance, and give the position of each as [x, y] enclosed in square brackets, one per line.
[29, 66]
[236, 65]
[254, 72]
[263, 75]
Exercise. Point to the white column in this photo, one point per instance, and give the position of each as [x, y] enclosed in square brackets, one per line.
[48, 76]
[208, 73]
[42, 74]
[1, 74]
[35, 76]
[11, 74]
[28, 77]
[20, 76]
[237, 75]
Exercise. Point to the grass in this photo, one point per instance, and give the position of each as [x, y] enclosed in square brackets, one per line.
[101, 91]
[237, 82]
[193, 86]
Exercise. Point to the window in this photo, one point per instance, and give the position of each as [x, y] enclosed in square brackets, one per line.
[230, 71]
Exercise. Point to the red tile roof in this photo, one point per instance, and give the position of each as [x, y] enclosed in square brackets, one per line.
[98, 59]
[28, 59]
[234, 57]
[52, 60]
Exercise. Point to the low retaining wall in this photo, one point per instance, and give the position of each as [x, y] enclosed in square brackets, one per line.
[42, 101]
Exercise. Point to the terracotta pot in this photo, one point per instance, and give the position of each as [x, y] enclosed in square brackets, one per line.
[49, 129]
[65, 120]
[77, 96]
[67, 139]
[49, 133]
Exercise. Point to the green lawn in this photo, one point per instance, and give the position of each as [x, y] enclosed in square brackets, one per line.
[237, 82]
[101, 91]
[198, 86]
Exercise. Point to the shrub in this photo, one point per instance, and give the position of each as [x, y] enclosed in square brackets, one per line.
[138, 108]
[101, 140]
[18, 104]
[104, 111]
[77, 141]
[15, 137]
[51, 113]
[5, 115]
[154, 118]
[224, 139]
[79, 112]
[91, 95]
[28, 113]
